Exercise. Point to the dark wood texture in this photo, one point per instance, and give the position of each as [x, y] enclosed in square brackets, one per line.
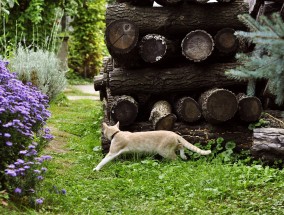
[254, 6]
[121, 36]
[163, 80]
[177, 22]
[143, 3]
[249, 108]
[187, 109]
[161, 116]
[169, 2]
[156, 48]
[225, 41]
[268, 144]
[197, 45]
[218, 105]
[124, 109]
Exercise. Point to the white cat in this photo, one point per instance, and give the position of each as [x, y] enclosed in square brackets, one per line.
[164, 143]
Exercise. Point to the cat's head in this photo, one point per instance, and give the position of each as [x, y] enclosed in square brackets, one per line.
[110, 130]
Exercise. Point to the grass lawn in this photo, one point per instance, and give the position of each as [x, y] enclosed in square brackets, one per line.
[145, 185]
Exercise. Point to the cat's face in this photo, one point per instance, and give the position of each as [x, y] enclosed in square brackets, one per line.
[110, 130]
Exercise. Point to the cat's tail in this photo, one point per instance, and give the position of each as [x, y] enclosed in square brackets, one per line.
[192, 147]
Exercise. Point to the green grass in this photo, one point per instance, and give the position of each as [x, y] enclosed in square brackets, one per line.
[145, 185]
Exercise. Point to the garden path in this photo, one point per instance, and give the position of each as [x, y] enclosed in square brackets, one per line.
[86, 89]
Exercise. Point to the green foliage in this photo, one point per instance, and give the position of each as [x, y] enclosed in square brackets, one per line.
[259, 124]
[40, 67]
[5, 5]
[86, 42]
[266, 61]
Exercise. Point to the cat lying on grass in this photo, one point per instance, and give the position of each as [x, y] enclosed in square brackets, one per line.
[164, 143]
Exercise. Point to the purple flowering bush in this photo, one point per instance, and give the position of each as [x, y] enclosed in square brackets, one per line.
[23, 115]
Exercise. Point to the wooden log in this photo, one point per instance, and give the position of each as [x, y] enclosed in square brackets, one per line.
[178, 21]
[268, 144]
[225, 1]
[225, 41]
[192, 77]
[249, 108]
[187, 109]
[254, 6]
[161, 116]
[197, 45]
[124, 109]
[218, 105]
[156, 48]
[143, 3]
[198, 1]
[169, 2]
[121, 36]
[204, 132]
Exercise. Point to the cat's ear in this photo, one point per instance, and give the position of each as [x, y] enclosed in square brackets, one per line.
[117, 124]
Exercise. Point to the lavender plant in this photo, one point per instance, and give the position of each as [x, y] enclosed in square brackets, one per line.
[41, 68]
[23, 115]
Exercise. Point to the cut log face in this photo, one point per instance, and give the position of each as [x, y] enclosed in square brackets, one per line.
[197, 45]
[250, 108]
[169, 2]
[153, 48]
[225, 41]
[161, 116]
[268, 144]
[188, 110]
[121, 36]
[218, 105]
[124, 109]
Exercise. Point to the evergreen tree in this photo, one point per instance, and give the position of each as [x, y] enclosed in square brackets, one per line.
[267, 59]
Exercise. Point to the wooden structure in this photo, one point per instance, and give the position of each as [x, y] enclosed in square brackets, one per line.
[167, 70]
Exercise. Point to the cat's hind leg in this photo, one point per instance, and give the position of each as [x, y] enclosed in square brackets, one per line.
[182, 155]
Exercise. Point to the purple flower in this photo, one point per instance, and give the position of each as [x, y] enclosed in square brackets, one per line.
[44, 169]
[10, 172]
[23, 152]
[8, 143]
[11, 166]
[7, 135]
[63, 191]
[46, 157]
[40, 177]
[20, 161]
[39, 201]
[18, 190]
[31, 190]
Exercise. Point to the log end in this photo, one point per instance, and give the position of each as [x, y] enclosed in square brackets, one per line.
[188, 110]
[250, 109]
[124, 110]
[197, 45]
[166, 122]
[225, 41]
[218, 105]
[121, 36]
[153, 48]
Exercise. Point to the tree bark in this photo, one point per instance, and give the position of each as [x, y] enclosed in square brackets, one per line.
[146, 3]
[225, 41]
[192, 77]
[249, 108]
[197, 45]
[187, 109]
[169, 2]
[218, 105]
[161, 116]
[124, 109]
[268, 144]
[177, 22]
[156, 48]
[254, 6]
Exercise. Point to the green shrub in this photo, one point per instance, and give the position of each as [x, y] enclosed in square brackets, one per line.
[41, 68]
